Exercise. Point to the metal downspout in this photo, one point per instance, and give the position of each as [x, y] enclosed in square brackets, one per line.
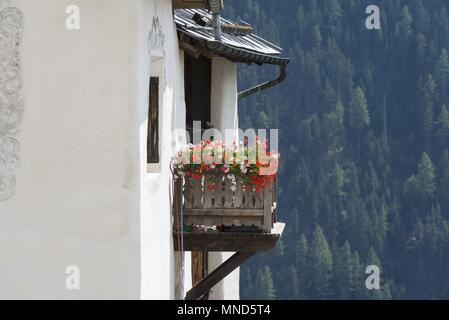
[266, 85]
[215, 7]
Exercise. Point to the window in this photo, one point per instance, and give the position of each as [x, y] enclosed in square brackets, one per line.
[153, 122]
[198, 84]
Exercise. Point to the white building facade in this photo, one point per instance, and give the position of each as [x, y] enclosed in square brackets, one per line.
[77, 195]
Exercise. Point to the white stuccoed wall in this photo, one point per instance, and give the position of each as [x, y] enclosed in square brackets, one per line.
[84, 194]
[77, 195]
[224, 116]
[160, 265]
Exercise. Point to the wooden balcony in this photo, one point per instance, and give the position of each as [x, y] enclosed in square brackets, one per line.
[242, 220]
[215, 214]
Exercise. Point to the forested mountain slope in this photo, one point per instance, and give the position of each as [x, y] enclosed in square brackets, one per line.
[364, 138]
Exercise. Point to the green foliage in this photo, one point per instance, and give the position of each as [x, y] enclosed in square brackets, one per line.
[422, 185]
[427, 109]
[364, 139]
[444, 181]
[426, 176]
[442, 72]
[344, 273]
[442, 134]
[321, 263]
[263, 288]
[358, 110]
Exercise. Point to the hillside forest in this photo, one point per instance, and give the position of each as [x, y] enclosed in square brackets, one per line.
[364, 141]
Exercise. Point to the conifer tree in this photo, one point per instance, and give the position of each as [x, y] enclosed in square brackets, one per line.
[426, 177]
[442, 74]
[422, 185]
[359, 117]
[427, 109]
[264, 289]
[444, 182]
[345, 273]
[302, 265]
[442, 126]
[360, 292]
[321, 262]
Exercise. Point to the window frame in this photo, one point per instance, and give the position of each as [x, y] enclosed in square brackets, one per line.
[153, 130]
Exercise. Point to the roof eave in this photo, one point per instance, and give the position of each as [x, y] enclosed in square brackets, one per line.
[248, 56]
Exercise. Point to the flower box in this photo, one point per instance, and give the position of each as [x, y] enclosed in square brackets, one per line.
[223, 186]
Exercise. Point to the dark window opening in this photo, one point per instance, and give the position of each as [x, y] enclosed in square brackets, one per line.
[153, 122]
[198, 86]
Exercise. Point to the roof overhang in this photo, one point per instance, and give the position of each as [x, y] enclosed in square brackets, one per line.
[189, 4]
[237, 48]
[245, 56]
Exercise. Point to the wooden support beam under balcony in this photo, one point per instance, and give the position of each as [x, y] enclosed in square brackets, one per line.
[203, 287]
[228, 241]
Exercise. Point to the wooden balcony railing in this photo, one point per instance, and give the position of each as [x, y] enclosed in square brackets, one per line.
[215, 201]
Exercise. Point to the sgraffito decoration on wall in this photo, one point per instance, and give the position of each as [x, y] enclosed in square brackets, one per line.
[11, 104]
[156, 38]
[156, 49]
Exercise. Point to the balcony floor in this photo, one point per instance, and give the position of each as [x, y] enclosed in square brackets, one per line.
[229, 241]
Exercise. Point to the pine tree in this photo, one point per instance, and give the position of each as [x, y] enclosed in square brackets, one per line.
[333, 12]
[264, 121]
[330, 96]
[427, 109]
[247, 289]
[381, 226]
[404, 28]
[302, 265]
[422, 185]
[264, 289]
[421, 44]
[345, 273]
[426, 177]
[292, 285]
[316, 37]
[386, 292]
[442, 133]
[360, 292]
[442, 73]
[334, 126]
[359, 117]
[321, 262]
[444, 182]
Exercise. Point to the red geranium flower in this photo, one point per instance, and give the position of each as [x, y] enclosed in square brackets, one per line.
[197, 176]
[211, 186]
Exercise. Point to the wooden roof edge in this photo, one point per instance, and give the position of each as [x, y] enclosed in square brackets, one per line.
[189, 4]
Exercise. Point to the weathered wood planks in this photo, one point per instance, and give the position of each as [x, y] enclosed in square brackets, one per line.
[218, 200]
